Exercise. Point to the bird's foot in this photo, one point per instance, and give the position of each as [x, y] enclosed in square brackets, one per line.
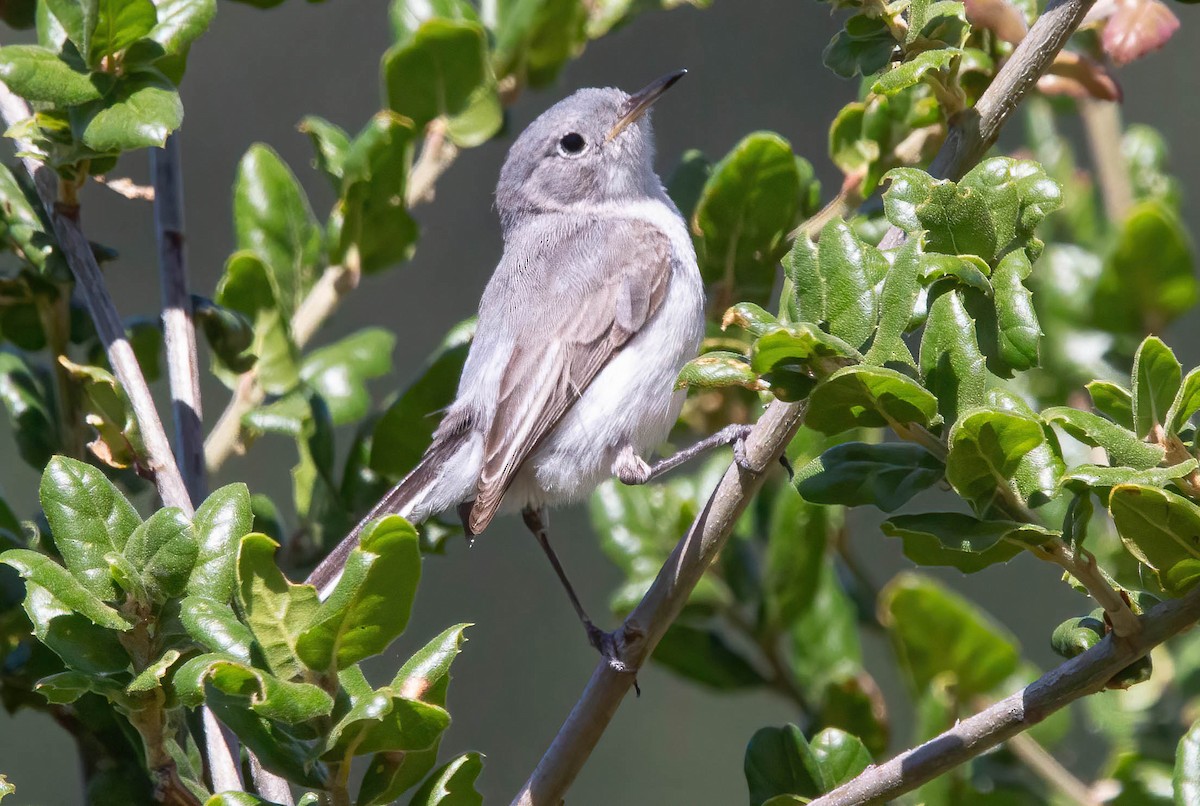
[742, 432]
[608, 645]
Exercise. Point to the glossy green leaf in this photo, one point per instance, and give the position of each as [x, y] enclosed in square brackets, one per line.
[1077, 635]
[406, 428]
[81, 643]
[800, 347]
[443, 70]
[718, 369]
[1148, 278]
[248, 288]
[750, 318]
[372, 601]
[340, 371]
[108, 410]
[89, 518]
[44, 572]
[1162, 530]
[119, 23]
[911, 73]
[375, 219]
[67, 687]
[938, 632]
[269, 697]
[1084, 477]
[797, 534]
[214, 625]
[779, 761]
[330, 144]
[864, 46]
[897, 303]
[163, 549]
[535, 38]
[857, 474]
[151, 677]
[385, 721]
[181, 22]
[39, 74]
[960, 541]
[229, 333]
[1186, 781]
[1116, 402]
[824, 646]
[141, 111]
[986, 449]
[954, 368]
[1157, 377]
[703, 656]
[850, 272]
[749, 204]
[25, 231]
[452, 784]
[278, 748]
[220, 523]
[1019, 195]
[840, 756]
[1122, 445]
[1185, 404]
[273, 220]
[25, 396]
[868, 397]
[275, 609]
[1017, 324]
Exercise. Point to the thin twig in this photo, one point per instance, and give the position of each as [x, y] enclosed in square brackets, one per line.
[973, 133]
[1102, 125]
[645, 626]
[1085, 674]
[90, 283]
[1051, 770]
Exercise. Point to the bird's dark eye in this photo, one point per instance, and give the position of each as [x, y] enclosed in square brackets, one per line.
[572, 143]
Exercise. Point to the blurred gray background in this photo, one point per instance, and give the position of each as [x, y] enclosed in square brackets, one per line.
[754, 64]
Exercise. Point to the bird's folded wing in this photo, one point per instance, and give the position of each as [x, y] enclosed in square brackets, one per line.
[617, 281]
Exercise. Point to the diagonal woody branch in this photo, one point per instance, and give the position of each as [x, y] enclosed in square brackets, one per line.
[90, 283]
[972, 134]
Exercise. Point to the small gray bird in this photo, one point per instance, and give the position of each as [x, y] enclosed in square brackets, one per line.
[595, 307]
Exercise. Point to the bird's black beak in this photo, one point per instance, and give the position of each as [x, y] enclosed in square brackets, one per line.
[642, 100]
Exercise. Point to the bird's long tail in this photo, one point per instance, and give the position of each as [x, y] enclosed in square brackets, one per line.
[403, 499]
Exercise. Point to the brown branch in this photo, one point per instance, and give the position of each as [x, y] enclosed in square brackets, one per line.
[1086, 674]
[972, 134]
[90, 283]
[646, 625]
[1102, 125]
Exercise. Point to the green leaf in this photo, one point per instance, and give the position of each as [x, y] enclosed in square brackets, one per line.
[687, 181]
[1122, 445]
[954, 368]
[1116, 402]
[1185, 404]
[119, 440]
[702, 655]
[119, 23]
[780, 762]
[141, 111]
[986, 449]
[1148, 278]
[220, 523]
[936, 632]
[897, 302]
[857, 474]
[163, 550]
[718, 369]
[802, 349]
[443, 70]
[214, 625]
[33, 421]
[385, 721]
[868, 397]
[851, 271]
[1018, 195]
[279, 749]
[1077, 635]
[749, 204]
[151, 677]
[406, 427]
[77, 639]
[825, 648]
[89, 518]
[841, 757]
[960, 541]
[330, 142]
[67, 687]
[535, 38]
[181, 22]
[271, 698]
[1018, 330]
[248, 288]
[913, 71]
[275, 609]
[1186, 781]
[229, 334]
[864, 46]
[956, 219]
[39, 74]
[374, 185]
[273, 220]
[1085, 477]
[68, 590]
[452, 784]
[371, 603]
[1162, 530]
[340, 371]
[77, 19]
[1156, 381]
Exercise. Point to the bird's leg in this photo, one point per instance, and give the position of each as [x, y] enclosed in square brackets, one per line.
[632, 469]
[605, 643]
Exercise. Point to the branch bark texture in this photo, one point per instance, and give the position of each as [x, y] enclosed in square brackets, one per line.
[90, 284]
[972, 134]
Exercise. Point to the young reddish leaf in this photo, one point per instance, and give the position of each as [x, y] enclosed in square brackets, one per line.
[1138, 27]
